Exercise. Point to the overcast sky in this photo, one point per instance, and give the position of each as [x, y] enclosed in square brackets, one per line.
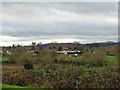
[86, 22]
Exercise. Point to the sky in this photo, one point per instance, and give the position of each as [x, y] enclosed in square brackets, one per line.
[86, 22]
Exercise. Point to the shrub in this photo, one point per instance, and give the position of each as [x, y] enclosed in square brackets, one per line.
[16, 54]
[27, 56]
[92, 60]
[60, 76]
[28, 65]
[63, 57]
[47, 56]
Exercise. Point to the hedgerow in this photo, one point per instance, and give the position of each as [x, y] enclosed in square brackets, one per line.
[65, 76]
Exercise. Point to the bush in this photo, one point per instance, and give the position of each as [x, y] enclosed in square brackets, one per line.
[47, 56]
[92, 60]
[63, 57]
[28, 65]
[27, 56]
[16, 54]
[60, 76]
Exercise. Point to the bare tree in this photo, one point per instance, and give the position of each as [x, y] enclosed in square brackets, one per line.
[76, 45]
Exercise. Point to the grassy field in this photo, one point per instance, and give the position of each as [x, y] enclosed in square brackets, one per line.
[110, 59]
[106, 57]
[12, 86]
[6, 86]
[79, 57]
[4, 58]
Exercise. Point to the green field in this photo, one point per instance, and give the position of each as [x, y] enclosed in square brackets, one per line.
[110, 59]
[79, 57]
[4, 58]
[12, 86]
[6, 86]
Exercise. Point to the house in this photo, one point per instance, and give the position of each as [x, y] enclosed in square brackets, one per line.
[70, 53]
[7, 51]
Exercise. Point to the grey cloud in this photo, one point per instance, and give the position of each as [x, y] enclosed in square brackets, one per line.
[44, 21]
[22, 29]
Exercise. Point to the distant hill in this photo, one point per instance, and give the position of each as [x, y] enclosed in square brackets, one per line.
[71, 45]
[107, 43]
[88, 45]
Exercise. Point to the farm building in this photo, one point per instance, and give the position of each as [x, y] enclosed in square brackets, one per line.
[70, 53]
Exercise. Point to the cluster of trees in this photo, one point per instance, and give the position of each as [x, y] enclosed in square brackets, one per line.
[20, 56]
[70, 46]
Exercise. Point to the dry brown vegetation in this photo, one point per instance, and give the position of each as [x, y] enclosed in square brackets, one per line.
[49, 72]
